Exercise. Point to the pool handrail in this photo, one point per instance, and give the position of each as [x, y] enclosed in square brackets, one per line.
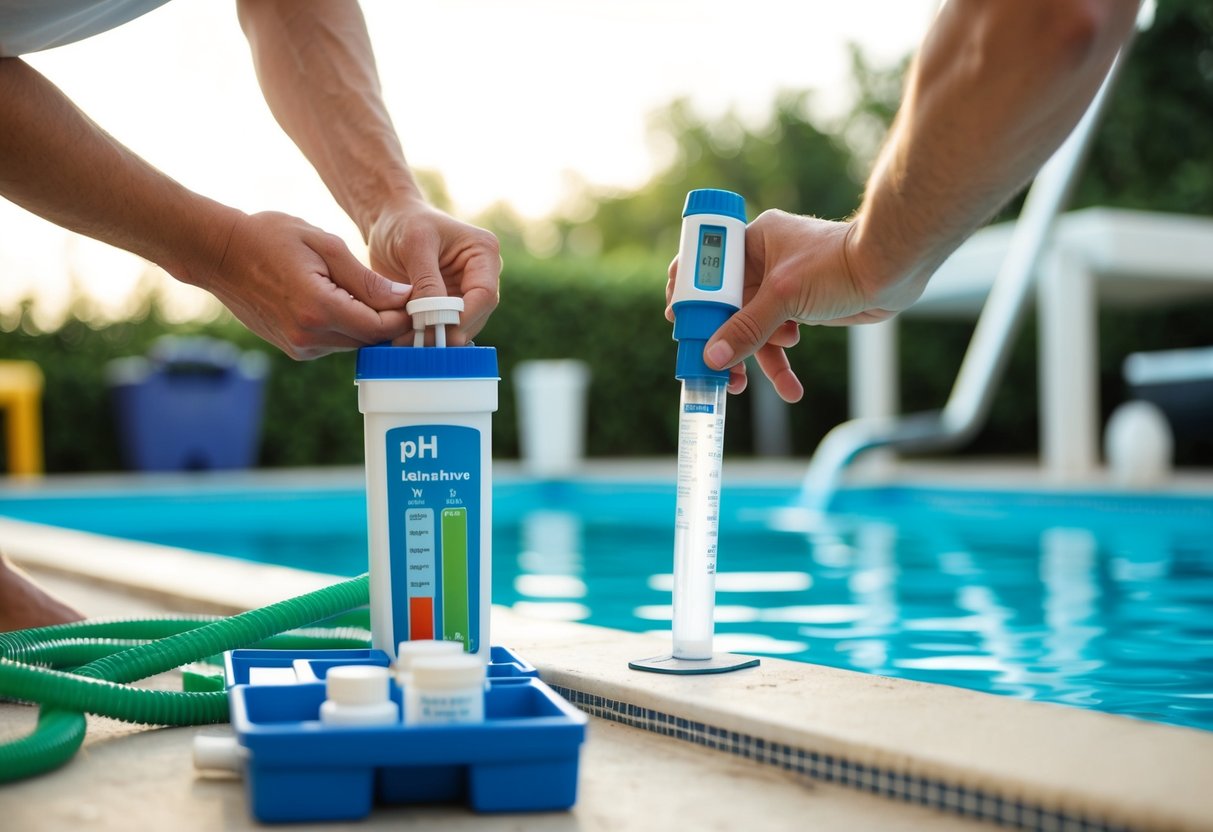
[985, 359]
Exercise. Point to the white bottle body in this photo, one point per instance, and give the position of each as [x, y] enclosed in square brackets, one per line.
[445, 690]
[429, 496]
[381, 713]
[453, 706]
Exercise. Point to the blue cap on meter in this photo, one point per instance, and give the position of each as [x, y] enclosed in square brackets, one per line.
[715, 201]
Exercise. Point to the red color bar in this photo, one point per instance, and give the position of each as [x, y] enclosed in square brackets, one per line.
[421, 618]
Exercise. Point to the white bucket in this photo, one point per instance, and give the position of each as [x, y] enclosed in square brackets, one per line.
[551, 415]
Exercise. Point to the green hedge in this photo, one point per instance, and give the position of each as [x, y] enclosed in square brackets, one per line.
[608, 313]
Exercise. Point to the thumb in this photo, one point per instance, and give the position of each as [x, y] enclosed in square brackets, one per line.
[748, 329]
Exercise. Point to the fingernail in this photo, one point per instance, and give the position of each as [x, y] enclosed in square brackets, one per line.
[718, 354]
[401, 288]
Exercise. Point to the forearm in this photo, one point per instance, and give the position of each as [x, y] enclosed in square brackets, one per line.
[994, 91]
[317, 71]
[57, 163]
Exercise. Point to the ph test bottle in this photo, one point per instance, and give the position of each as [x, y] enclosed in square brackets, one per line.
[428, 436]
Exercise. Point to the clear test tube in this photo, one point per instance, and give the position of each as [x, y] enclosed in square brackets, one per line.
[697, 516]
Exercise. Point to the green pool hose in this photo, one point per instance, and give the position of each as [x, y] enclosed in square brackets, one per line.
[117, 652]
[70, 653]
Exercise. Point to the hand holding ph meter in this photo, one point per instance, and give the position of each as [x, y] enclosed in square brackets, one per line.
[707, 291]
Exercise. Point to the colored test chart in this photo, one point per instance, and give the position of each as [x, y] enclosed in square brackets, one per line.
[433, 489]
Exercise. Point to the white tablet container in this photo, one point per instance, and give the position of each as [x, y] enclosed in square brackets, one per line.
[428, 434]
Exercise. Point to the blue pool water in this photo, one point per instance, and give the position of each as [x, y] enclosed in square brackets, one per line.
[1097, 601]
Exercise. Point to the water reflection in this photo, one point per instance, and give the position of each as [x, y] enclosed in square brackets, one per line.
[552, 610]
[550, 567]
[725, 613]
[1067, 572]
[550, 586]
[743, 582]
[815, 614]
[551, 543]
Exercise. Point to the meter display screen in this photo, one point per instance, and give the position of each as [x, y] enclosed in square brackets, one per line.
[709, 271]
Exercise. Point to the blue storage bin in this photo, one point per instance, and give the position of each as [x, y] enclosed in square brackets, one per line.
[523, 757]
[191, 404]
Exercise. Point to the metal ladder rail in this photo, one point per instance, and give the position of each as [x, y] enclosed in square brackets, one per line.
[985, 360]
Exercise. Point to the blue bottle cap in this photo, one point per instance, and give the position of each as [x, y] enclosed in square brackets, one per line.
[388, 362]
[715, 201]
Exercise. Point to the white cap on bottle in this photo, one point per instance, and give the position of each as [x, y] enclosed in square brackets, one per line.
[443, 672]
[438, 312]
[409, 651]
[357, 684]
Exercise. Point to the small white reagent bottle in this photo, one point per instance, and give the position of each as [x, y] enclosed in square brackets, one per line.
[358, 694]
[445, 690]
[408, 652]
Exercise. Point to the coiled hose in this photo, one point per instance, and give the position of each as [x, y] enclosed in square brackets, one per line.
[107, 654]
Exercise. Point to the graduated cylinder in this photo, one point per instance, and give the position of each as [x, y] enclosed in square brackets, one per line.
[707, 291]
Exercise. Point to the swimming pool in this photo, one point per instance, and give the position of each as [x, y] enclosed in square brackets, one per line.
[1100, 601]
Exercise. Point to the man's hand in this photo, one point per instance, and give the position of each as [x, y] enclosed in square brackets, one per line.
[437, 255]
[799, 270]
[317, 70]
[302, 289]
[968, 134]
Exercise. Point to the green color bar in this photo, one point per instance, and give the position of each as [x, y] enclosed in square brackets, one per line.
[455, 575]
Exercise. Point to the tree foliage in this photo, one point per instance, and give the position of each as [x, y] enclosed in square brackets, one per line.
[789, 162]
[1154, 149]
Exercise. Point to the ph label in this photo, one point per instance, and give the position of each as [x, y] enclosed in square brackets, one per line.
[434, 511]
[419, 448]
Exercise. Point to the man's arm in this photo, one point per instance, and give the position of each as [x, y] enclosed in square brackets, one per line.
[294, 285]
[58, 164]
[994, 90]
[317, 72]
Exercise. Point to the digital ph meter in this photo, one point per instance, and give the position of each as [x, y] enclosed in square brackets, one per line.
[707, 291]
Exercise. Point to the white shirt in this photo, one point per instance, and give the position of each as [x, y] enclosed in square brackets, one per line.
[34, 25]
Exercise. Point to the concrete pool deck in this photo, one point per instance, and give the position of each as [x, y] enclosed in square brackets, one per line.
[133, 777]
[760, 749]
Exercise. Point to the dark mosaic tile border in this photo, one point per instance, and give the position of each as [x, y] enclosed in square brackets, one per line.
[831, 768]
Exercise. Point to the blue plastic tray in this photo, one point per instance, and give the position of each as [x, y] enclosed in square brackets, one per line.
[310, 665]
[522, 758]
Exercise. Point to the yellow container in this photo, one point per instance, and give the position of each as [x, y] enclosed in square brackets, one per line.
[21, 402]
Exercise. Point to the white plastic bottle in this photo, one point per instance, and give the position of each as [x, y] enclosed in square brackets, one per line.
[445, 690]
[408, 652]
[358, 695]
[428, 432]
